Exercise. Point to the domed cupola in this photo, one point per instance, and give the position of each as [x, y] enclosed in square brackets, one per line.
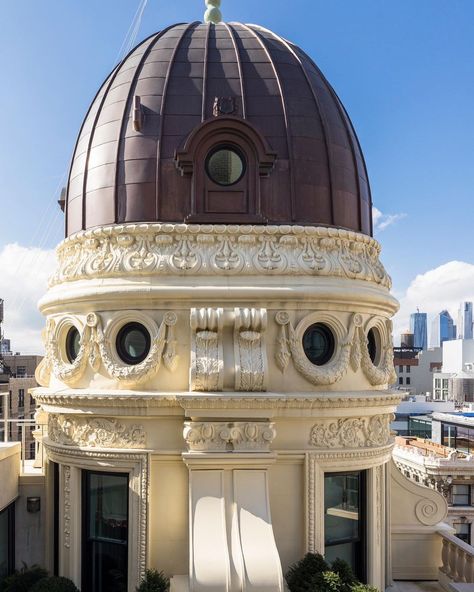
[218, 123]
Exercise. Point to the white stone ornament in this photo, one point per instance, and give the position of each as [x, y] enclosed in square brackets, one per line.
[207, 363]
[96, 432]
[249, 349]
[237, 436]
[358, 432]
[213, 14]
[198, 250]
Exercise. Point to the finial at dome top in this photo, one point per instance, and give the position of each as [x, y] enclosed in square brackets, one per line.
[213, 13]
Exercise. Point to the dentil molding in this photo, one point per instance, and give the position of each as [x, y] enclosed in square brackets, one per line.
[207, 250]
[97, 432]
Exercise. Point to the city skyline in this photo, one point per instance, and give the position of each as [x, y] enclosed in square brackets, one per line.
[382, 89]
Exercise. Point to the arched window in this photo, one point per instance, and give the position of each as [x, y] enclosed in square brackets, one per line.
[226, 158]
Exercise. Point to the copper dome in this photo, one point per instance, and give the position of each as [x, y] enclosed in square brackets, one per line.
[141, 149]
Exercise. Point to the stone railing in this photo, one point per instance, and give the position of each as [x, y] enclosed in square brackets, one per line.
[457, 560]
[454, 460]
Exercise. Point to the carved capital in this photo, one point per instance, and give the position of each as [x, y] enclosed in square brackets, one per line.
[250, 350]
[207, 364]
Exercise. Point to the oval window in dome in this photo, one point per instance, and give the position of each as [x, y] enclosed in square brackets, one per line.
[133, 343]
[373, 340]
[225, 166]
[73, 344]
[318, 344]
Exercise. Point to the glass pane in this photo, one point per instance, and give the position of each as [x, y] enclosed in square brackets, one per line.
[341, 508]
[109, 566]
[225, 167]
[108, 506]
[347, 552]
[135, 343]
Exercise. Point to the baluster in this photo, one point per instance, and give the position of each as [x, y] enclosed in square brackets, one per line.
[460, 565]
[452, 561]
[469, 568]
[445, 557]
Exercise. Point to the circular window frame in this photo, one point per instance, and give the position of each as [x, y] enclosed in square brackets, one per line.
[334, 323]
[331, 339]
[378, 324]
[120, 338]
[115, 324]
[62, 328]
[68, 342]
[232, 147]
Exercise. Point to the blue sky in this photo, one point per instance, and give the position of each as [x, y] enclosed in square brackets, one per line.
[403, 68]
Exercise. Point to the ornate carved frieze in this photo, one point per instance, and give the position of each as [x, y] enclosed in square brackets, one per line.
[168, 249]
[96, 350]
[358, 432]
[251, 366]
[96, 432]
[220, 436]
[207, 364]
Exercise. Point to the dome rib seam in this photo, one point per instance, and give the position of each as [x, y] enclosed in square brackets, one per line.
[260, 39]
[204, 73]
[162, 111]
[125, 115]
[231, 32]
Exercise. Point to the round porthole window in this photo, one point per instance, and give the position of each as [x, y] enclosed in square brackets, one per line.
[318, 344]
[73, 344]
[133, 343]
[372, 344]
[225, 166]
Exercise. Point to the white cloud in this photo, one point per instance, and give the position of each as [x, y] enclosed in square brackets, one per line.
[381, 221]
[435, 290]
[24, 273]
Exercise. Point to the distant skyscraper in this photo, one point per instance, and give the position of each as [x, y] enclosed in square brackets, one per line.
[418, 326]
[465, 320]
[442, 329]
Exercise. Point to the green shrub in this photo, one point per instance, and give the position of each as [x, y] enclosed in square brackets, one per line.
[24, 579]
[303, 575]
[154, 581]
[54, 584]
[344, 571]
[363, 588]
[312, 574]
[328, 581]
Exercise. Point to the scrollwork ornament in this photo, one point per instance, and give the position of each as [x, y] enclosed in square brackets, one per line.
[384, 372]
[359, 432]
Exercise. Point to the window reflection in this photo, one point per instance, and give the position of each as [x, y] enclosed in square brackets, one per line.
[344, 517]
[105, 547]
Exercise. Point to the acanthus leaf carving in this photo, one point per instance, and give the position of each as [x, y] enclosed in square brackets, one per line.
[165, 249]
[250, 350]
[358, 432]
[207, 364]
[96, 432]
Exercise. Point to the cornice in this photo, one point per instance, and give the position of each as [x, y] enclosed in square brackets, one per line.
[189, 400]
[218, 250]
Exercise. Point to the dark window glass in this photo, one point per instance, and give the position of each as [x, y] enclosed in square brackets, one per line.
[344, 519]
[461, 495]
[408, 380]
[400, 380]
[408, 369]
[133, 343]
[318, 344]
[225, 166]
[105, 532]
[372, 344]
[463, 531]
[73, 344]
[7, 541]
